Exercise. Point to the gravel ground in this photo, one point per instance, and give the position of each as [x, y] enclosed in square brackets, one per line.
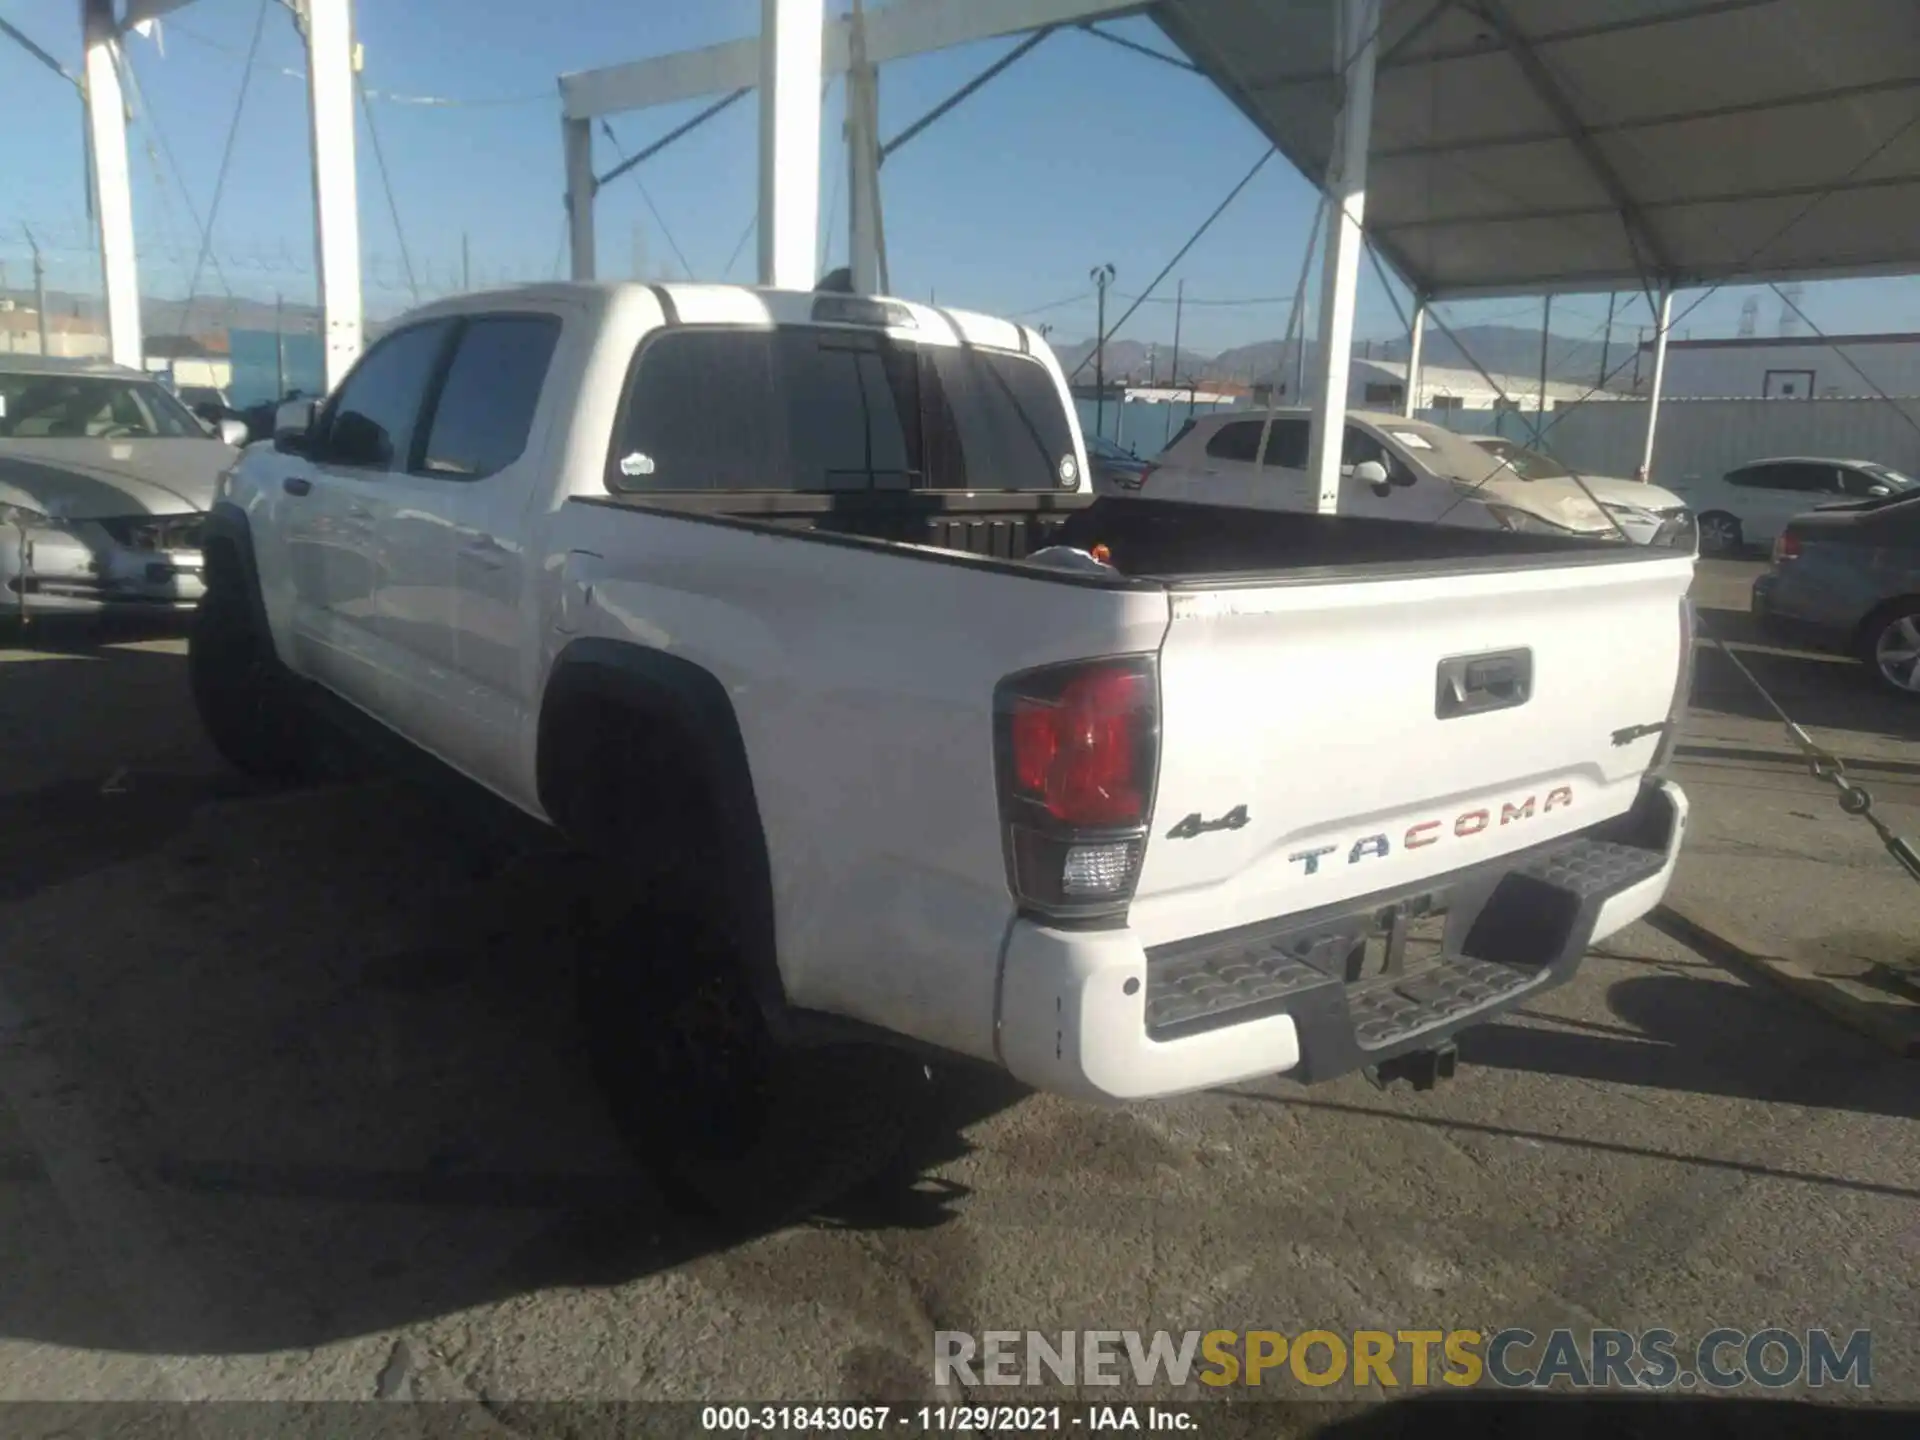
[291, 1107]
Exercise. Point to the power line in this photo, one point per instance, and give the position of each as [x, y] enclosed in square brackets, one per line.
[158, 134]
[640, 185]
[544, 97]
[1180, 254]
[226, 161]
[741, 244]
[386, 184]
[1052, 305]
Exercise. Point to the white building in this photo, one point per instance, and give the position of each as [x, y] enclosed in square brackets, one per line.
[1382, 385]
[1792, 367]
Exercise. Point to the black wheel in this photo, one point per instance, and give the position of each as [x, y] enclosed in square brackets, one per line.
[1720, 534]
[240, 690]
[737, 1130]
[1891, 646]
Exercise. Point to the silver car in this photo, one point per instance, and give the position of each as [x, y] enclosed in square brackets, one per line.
[105, 480]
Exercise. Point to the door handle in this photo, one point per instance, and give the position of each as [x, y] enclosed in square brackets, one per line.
[297, 485]
[1474, 684]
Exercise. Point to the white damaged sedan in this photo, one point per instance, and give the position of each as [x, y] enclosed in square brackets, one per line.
[105, 480]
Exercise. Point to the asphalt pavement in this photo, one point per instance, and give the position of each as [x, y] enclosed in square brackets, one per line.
[292, 1107]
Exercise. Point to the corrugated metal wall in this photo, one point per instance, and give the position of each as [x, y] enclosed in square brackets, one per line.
[1699, 438]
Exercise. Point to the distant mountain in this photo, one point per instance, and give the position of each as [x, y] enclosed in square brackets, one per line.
[1499, 349]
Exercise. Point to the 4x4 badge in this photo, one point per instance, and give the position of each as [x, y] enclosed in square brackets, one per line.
[1193, 825]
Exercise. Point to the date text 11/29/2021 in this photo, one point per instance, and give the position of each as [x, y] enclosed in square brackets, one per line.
[944, 1419]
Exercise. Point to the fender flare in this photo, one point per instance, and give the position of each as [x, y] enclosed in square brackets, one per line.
[226, 543]
[691, 702]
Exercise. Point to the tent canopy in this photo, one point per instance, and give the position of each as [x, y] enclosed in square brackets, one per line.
[1529, 146]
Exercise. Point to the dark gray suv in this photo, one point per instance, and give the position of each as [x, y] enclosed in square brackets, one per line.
[1847, 578]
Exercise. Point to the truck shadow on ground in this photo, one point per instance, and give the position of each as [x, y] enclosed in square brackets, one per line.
[1705, 1038]
[322, 1043]
[1826, 691]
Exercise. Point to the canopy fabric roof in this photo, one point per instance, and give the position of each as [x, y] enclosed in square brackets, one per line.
[1529, 146]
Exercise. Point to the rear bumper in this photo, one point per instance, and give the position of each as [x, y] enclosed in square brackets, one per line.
[1773, 611]
[1096, 1015]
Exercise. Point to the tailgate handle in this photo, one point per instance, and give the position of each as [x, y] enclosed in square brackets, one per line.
[1475, 684]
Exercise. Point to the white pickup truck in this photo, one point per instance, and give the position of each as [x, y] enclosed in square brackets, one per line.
[800, 607]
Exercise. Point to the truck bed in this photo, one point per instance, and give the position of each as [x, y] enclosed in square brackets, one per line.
[1158, 541]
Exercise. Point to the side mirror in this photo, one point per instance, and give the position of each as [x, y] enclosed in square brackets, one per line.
[353, 439]
[1373, 475]
[293, 424]
[233, 432]
[1878, 490]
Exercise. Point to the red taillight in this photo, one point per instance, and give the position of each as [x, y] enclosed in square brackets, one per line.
[1786, 547]
[1078, 746]
[1079, 753]
[1139, 481]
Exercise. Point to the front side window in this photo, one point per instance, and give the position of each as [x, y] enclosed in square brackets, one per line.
[1361, 447]
[815, 409]
[485, 409]
[370, 424]
[1812, 479]
[91, 407]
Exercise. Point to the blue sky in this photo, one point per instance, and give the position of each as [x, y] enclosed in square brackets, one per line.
[1081, 153]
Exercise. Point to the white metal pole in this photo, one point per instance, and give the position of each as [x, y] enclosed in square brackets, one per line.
[336, 196]
[1540, 401]
[112, 183]
[790, 68]
[1659, 378]
[863, 180]
[1356, 44]
[1416, 343]
[576, 140]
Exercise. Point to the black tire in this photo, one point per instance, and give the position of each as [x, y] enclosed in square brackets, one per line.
[1721, 534]
[1894, 632]
[239, 690]
[737, 1131]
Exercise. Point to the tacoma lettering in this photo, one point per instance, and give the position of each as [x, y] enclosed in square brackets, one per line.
[1428, 832]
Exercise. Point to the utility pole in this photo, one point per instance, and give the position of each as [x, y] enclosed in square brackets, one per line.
[1606, 342]
[1639, 343]
[466, 264]
[1179, 301]
[1102, 276]
[279, 349]
[39, 289]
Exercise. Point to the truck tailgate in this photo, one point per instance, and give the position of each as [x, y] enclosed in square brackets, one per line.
[1325, 741]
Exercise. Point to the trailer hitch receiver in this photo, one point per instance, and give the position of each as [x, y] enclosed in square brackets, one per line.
[1423, 1069]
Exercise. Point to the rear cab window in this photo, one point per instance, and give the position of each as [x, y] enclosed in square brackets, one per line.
[822, 409]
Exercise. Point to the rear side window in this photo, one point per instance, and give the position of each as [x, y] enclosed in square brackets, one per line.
[1239, 440]
[817, 409]
[699, 415]
[485, 410]
[1288, 443]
